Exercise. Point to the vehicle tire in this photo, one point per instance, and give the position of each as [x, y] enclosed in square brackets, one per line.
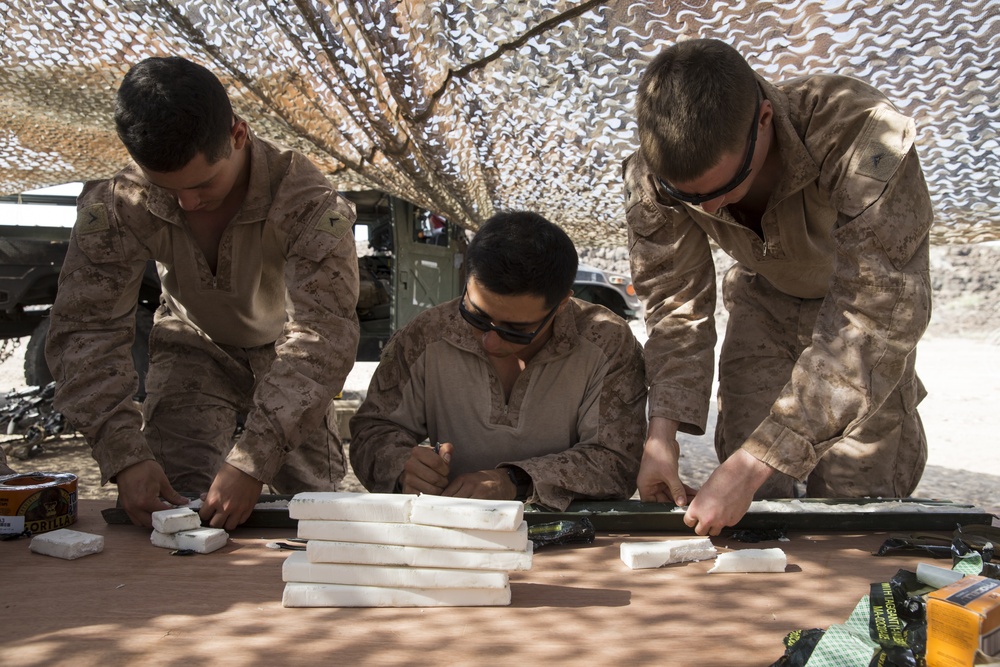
[36, 369]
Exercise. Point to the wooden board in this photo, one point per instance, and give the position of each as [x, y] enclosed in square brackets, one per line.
[135, 604]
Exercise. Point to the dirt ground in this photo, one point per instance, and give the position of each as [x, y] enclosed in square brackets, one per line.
[957, 361]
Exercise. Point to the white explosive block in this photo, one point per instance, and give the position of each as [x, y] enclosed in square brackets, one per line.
[415, 535]
[467, 512]
[640, 555]
[391, 554]
[67, 544]
[938, 577]
[751, 560]
[201, 540]
[298, 568]
[176, 520]
[337, 595]
[344, 506]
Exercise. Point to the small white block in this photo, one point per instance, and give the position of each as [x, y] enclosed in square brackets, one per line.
[467, 512]
[415, 535]
[344, 506]
[298, 568]
[938, 577]
[390, 554]
[66, 543]
[175, 520]
[751, 560]
[640, 555]
[201, 540]
[337, 595]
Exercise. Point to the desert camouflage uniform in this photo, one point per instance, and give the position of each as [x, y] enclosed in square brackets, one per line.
[826, 307]
[272, 333]
[575, 420]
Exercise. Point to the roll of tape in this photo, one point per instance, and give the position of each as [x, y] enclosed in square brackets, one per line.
[37, 502]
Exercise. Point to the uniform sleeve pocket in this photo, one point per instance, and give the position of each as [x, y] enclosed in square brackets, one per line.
[97, 235]
[328, 234]
[880, 149]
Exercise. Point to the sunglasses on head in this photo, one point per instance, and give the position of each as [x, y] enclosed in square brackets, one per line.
[483, 324]
[741, 175]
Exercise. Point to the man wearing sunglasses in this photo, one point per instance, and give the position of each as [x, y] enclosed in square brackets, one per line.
[517, 389]
[814, 187]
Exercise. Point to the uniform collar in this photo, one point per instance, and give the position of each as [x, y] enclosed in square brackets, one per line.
[798, 168]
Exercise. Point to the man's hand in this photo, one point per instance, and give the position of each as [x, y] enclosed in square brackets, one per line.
[231, 498]
[140, 487]
[426, 471]
[486, 484]
[727, 494]
[659, 480]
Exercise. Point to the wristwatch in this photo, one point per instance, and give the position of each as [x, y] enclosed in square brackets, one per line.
[521, 480]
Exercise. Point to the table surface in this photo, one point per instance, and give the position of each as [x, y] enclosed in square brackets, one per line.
[137, 604]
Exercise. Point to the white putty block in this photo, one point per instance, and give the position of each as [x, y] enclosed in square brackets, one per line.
[935, 576]
[298, 568]
[202, 540]
[66, 543]
[640, 555]
[751, 560]
[337, 595]
[344, 506]
[415, 535]
[391, 554]
[467, 512]
[175, 520]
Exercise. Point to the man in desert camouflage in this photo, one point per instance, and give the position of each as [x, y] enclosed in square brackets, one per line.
[259, 279]
[814, 186]
[524, 392]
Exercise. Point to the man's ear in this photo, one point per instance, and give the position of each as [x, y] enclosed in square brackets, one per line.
[240, 134]
[766, 115]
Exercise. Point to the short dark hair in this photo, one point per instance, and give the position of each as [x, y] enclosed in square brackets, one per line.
[695, 103]
[519, 252]
[168, 110]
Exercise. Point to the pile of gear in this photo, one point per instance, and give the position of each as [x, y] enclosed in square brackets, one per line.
[29, 413]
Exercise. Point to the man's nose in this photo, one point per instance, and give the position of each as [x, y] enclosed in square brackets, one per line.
[188, 200]
[713, 205]
[491, 341]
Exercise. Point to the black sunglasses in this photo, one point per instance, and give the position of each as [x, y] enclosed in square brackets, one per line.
[731, 185]
[483, 324]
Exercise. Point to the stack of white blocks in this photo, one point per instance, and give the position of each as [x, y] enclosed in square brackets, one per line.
[393, 550]
[180, 528]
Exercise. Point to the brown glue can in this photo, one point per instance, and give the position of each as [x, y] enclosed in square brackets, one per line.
[37, 502]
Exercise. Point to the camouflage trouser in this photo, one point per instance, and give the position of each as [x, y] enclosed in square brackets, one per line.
[194, 391]
[767, 331]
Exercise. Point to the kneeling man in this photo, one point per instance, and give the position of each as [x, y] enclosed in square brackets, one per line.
[521, 391]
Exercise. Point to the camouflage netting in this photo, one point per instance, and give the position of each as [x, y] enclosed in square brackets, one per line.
[470, 107]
